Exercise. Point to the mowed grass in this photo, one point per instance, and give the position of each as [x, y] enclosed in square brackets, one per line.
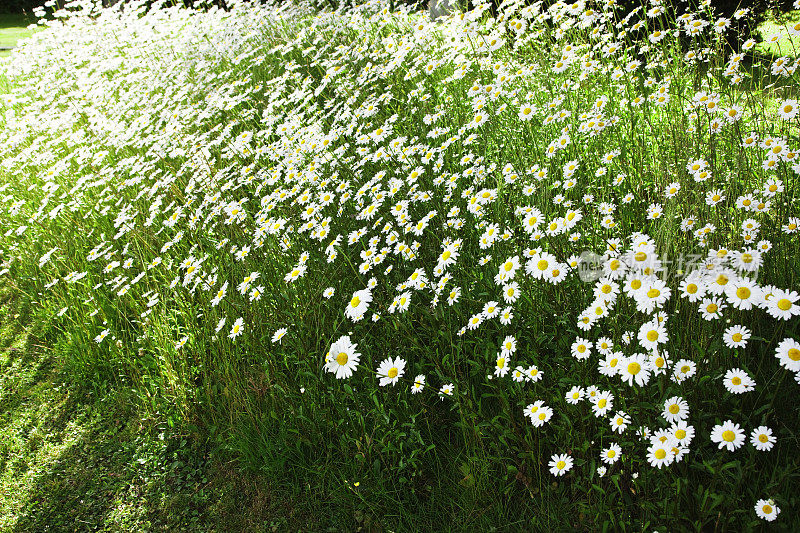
[14, 27]
[783, 46]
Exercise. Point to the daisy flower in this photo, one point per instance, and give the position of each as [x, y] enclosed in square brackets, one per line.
[783, 304]
[737, 381]
[728, 435]
[446, 390]
[660, 453]
[682, 432]
[237, 328]
[509, 345]
[491, 310]
[390, 371]
[279, 334]
[342, 358]
[788, 354]
[742, 293]
[684, 369]
[603, 404]
[675, 409]
[762, 439]
[501, 365]
[533, 374]
[767, 510]
[358, 305]
[560, 464]
[619, 422]
[635, 368]
[604, 345]
[611, 454]
[581, 348]
[711, 308]
[651, 334]
[542, 416]
[419, 384]
[574, 395]
[736, 336]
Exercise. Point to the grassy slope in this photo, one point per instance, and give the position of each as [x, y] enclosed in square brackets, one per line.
[76, 460]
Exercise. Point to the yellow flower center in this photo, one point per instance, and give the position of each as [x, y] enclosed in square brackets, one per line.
[636, 284]
[542, 264]
[446, 255]
[611, 454]
[728, 435]
[767, 509]
[711, 308]
[606, 289]
[341, 358]
[674, 408]
[691, 288]
[652, 335]
[653, 293]
[561, 464]
[640, 256]
[736, 380]
[737, 337]
[501, 362]
[602, 403]
[392, 373]
[763, 438]
[680, 434]
[794, 354]
[355, 301]
[581, 348]
[743, 293]
[660, 454]
[634, 368]
[784, 304]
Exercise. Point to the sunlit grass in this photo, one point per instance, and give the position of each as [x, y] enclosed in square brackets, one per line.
[12, 29]
[776, 40]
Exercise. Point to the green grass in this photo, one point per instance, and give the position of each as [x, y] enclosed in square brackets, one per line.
[13, 28]
[784, 46]
[78, 460]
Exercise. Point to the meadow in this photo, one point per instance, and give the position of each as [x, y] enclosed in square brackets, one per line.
[532, 269]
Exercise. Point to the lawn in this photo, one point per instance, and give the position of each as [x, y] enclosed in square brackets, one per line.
[13, 27]
[774, 33]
